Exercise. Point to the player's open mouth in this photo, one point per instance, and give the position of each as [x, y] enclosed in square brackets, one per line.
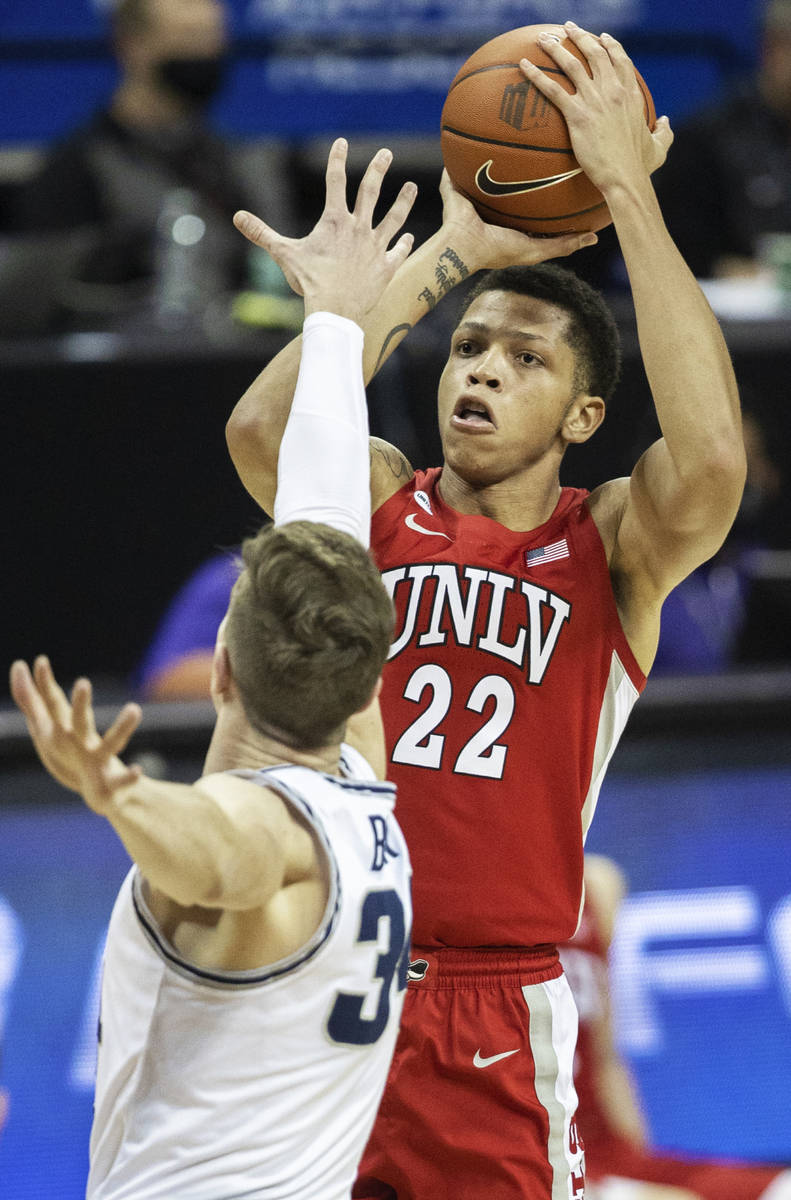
[473, 415]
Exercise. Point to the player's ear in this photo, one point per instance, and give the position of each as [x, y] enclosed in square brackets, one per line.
[583, 417]
[221, 676]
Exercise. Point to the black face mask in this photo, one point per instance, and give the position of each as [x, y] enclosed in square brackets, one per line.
[194, 79]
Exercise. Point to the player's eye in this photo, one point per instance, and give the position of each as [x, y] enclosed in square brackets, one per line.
[527, 358]
[465, 346]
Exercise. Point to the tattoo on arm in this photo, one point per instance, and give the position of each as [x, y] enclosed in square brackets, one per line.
[397, 463]
[385, 351]
[448, 271]
[450, 254]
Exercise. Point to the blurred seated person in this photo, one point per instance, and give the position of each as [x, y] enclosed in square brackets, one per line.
[177, 664]
[620, 1163]
[120, 182]
[704, 617]
[727, 181]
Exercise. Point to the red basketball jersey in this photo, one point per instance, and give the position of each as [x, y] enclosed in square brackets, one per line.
[508, 685]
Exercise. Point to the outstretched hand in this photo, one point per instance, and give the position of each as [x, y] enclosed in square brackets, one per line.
[493, 246]
[343, 265]
[65, 736]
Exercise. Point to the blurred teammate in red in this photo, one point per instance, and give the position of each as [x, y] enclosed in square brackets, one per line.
[619, 1161]
[527, 618]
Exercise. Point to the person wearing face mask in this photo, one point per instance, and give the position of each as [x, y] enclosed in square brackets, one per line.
[151, 152]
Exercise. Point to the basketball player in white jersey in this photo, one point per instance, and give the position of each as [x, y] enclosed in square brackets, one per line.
[256, 958]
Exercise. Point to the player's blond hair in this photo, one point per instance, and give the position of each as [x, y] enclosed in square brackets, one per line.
[308, 631]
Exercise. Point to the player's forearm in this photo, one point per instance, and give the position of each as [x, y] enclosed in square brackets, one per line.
[684, 353]
[323, 472]
[431, 271]
[187, 847]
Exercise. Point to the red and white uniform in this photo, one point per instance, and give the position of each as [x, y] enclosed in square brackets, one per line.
[509, 684]
[613, 1162]
[507, 688]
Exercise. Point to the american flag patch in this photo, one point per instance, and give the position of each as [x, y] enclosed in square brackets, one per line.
[545, 554]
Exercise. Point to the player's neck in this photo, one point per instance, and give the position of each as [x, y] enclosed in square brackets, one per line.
[521, 502]
[236, 745]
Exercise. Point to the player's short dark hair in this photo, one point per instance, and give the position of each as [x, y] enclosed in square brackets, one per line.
[308, 630]
[592, 331]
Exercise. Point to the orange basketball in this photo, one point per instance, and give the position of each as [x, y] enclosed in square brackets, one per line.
[507, 148]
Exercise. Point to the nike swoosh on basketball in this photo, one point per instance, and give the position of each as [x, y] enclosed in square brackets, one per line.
[492, 187]
[411, 521]
[480, 1061]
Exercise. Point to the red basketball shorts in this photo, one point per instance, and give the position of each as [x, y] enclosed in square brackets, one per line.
[480, 1100]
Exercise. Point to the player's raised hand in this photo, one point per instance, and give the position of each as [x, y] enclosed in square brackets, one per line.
[490, 246]
[344, 264]
[65, 736]
[606, 113]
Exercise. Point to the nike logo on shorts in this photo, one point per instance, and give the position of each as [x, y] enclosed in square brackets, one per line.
[492, 187]
[480, 1061]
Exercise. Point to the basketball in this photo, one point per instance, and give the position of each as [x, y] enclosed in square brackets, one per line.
[507, 148]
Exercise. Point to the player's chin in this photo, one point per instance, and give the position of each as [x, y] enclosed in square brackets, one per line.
[474, 460]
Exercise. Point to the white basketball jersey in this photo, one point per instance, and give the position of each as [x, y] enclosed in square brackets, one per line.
[215, 1085]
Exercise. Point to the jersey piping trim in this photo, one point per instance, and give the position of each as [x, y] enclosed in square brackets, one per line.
[620, 697]
[284, 966]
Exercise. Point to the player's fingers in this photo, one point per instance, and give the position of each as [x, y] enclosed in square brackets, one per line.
[592, 47]
[398, 212]
[401, 251]
[335, 176]
[619, 58]
[567, 62]
[124, 778]
[546, 84]
[256, 230]
[371, 185]
[26, 697]
[82, 709]
[567, 243]
[50, 691]
[663, 134]
[117, 736]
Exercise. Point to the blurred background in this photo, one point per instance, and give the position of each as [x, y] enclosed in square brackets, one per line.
[131, 320]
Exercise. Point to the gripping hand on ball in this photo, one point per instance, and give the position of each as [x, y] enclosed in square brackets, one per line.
[606, 114]
[344, 264]
[491, 246]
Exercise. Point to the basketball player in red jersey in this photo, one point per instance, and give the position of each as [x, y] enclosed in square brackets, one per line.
[619, 1162]
[527, 619]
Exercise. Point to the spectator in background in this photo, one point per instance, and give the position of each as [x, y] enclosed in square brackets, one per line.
[119, 183]
[704, 617]
[177, 664]
[620, 1163]
[728, 181]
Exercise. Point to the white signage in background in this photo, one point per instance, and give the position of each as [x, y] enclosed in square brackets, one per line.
[778, 931]
[734, 959]
[11, 943]
[432, 16]
[82, 1070]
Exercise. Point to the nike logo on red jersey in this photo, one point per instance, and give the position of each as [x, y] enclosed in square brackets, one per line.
[412, 522]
